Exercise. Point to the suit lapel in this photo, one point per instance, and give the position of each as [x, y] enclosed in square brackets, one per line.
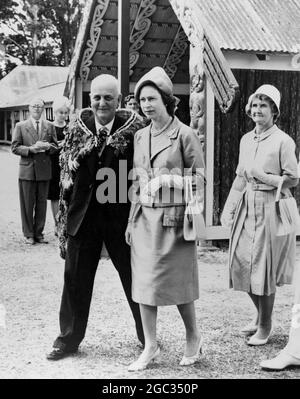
[43, 131]
[30, 129]
[160, 145]
[164, 140]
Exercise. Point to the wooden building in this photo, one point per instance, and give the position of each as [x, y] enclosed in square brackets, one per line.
[216, 52]
[19, 87]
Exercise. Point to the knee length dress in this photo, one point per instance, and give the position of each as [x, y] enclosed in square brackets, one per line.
[258, 259]
[164, 265]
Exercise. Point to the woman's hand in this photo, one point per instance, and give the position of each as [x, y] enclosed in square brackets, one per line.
[156, 183]
[256, 171]
[152, 187]
[128, 234]
[227, 219]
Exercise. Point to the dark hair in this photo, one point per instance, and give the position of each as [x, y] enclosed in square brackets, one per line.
[168, 100]
[128, 98]
[263, 97]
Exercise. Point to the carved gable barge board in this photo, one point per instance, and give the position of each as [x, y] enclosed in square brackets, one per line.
[78, 50]
[139, 30]
[94, 34]
[216, 68]
[224, 84]
[176, 53]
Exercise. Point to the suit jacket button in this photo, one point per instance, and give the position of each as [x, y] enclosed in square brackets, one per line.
[91, 185]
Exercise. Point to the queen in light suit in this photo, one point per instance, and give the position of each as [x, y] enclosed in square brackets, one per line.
[164, 265]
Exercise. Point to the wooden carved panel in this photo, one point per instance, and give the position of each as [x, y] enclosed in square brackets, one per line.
[176, 53]
[197, 92]
[140, 28]
[95, 32]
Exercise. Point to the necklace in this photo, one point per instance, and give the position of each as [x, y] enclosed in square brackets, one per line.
[157, 132]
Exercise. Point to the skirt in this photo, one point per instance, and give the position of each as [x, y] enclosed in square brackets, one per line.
[164, 265]
[258, 259]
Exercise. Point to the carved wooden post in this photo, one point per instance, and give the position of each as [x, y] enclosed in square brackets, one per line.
[197, 91]
[198, 108]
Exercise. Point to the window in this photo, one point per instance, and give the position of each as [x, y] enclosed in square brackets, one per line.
[25, 113]
[49, 114]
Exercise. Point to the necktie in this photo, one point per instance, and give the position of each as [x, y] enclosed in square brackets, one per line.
[103, 131]
[102, 136]
[37, 129]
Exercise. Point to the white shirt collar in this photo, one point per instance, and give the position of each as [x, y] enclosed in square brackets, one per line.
[108, 126]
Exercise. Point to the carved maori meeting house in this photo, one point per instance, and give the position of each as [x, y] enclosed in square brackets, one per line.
[216, 52]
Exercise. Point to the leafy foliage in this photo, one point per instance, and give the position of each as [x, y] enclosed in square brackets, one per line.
[40, 32]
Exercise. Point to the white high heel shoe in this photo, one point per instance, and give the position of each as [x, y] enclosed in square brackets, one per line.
[254, 341]
[139, 364]
[189, 360]
[280, 362]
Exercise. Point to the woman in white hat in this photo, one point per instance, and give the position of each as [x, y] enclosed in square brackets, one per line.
[259, 260]
[164, 265]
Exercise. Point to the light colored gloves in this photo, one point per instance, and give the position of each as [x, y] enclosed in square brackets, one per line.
[156, 183]
[230, 207]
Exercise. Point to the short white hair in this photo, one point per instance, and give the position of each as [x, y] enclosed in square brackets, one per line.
[60, 102]
[107, 79]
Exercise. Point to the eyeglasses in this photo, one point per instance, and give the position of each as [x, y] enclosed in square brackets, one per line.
[36, 106]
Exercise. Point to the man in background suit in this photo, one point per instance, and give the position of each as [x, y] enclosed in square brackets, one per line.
[97, 141]
[33, 140]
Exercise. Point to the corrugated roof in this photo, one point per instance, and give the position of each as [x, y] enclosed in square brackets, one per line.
[24, 80]
[253, 25]
[48, 94]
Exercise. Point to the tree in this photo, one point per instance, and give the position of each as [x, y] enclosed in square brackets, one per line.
[41, 32]
[7, 8]
[65, 15]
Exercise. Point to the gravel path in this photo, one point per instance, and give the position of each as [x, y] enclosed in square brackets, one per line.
[30, 289]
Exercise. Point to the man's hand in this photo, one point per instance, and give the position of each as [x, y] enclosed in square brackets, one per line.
[34, 150]
[43, 145]
[39, 146]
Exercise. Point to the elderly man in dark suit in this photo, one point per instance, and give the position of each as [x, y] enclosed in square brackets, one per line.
[34, 140]
[98, 143]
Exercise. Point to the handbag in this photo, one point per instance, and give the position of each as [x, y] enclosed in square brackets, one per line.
[287, 219]
[193, 221]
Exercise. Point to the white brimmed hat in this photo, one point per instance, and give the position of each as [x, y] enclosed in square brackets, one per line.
[268, 90]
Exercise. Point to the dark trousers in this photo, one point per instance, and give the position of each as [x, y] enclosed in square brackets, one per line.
[101, 224]
[33, 203]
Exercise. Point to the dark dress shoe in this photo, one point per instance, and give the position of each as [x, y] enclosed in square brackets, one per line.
[29, 241]
[41, 240]
[58, 353]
